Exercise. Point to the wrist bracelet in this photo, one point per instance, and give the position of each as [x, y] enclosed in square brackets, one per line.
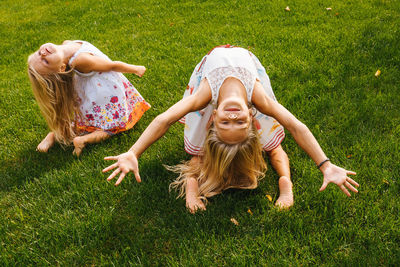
[322, 163]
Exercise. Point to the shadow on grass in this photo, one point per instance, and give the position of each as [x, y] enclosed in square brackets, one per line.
[371, 96]
[31, 164]
[151, 221]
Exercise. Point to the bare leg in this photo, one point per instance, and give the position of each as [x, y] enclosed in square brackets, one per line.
[81, 141]
[280, 162]
[193, 201]
[46, 143]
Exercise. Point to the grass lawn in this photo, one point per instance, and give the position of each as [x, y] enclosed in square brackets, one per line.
[56, 209]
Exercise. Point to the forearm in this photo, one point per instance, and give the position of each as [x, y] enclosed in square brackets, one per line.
[123, 67]
[156, 129]
[306, 140]
[279, 161]
[192, 188]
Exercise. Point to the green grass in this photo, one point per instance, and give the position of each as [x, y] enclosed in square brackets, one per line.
[59, 210]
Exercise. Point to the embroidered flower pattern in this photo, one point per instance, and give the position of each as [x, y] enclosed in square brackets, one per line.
[114, 99]
[96, 109]
[89, 117]
[116, 104]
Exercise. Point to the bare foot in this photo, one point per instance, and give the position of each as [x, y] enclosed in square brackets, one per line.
[79, 144]
[194, 204]
[46, 143]
[285, 199]
[140, 71]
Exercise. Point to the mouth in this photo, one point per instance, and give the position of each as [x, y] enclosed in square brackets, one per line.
[232, 109]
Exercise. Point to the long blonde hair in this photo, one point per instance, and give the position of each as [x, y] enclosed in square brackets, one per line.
[57, 100]
[223, 166]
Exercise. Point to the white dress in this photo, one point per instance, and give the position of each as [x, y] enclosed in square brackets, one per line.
[220, 63]
[107, 100]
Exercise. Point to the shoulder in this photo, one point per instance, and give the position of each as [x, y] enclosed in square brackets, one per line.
[202, 97]
[258, 92]
[84, 62]
[67, 42]
[260, 99]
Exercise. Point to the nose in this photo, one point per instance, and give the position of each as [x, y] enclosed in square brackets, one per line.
[232, 116]
[42, 52]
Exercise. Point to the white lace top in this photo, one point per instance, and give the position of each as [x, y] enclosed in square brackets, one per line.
[222, 63]
[219, 64]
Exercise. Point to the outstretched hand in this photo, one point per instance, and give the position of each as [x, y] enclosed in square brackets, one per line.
[126, 162]
[339, 176]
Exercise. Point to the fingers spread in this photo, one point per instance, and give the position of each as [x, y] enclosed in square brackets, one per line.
[121, 177]
[190, 208]
[113, 174]
[352, 181]
[349, 186]
[324, 185]
[351, 172]
[345, 190]
[111, 158]
[137, 176]
[110, 167]
[202, 206]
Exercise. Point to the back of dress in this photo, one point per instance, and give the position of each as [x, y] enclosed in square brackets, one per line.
[107, 100]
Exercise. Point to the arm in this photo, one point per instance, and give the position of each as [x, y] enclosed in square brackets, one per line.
[127, 162]
[193, 200]
[304, 139]
[86, 62]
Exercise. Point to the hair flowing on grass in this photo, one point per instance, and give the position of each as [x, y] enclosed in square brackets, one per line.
[57, 100]
[223, 166]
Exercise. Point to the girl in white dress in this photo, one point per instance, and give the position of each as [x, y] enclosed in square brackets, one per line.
[230, 115]
[82, 94]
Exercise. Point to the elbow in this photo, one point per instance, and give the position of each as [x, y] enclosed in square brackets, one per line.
[116, 66]
[163, 120]
[298, 128]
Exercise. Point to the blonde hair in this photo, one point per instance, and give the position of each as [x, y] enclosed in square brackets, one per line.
[223, 166]
[57, 100]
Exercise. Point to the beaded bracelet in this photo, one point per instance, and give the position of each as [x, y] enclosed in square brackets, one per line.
[323, 162]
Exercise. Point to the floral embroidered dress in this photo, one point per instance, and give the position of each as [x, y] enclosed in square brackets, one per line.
[220, 63]
[108, 101]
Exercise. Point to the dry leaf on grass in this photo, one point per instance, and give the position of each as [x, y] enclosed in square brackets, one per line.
[269, 197]
[233, 220]
[249, 212]
[329, 8]
[287, 8]
[377, 73]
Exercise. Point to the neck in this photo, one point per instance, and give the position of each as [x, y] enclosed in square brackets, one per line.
[232, 87]
[69, 49]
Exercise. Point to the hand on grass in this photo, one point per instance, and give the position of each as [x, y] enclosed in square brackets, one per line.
[193, 201]
[194, 204]
[126, 162]
[338, 176]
